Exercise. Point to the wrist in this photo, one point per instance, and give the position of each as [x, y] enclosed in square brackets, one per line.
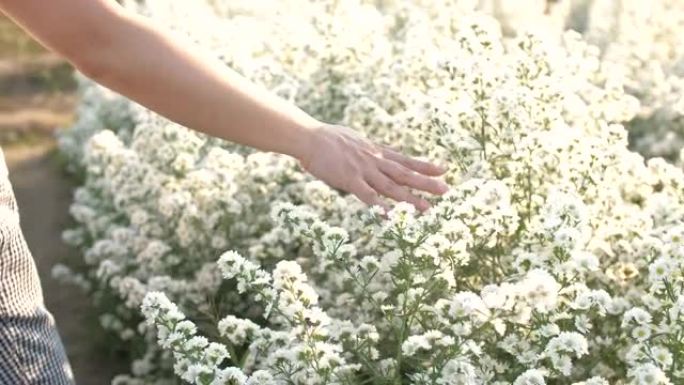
[303, 146]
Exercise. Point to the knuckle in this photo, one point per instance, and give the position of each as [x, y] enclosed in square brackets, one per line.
[370, 152]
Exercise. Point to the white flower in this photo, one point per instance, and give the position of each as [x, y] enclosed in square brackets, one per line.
[530, 377]
[641, 333]
[660, 270]
[260, 377]
[585, 261]
[662, 356]
[458, 371]
[413, 344]
[157, 305]
[599, 299]
[236, 330]
[215, 353]
[231, 376]
[540, 290]
[636, 316]
[563, 347]
[416, 343]
[648, 374]
[593, 381]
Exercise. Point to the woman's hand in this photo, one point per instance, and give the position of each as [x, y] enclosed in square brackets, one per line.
[342, 158]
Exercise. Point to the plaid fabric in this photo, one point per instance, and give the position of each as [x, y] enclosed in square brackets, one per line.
[31, 352]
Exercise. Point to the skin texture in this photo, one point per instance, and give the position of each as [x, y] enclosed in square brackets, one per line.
[173, 77]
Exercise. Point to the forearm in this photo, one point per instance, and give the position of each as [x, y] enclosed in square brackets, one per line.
[193, 88]
[164, 72]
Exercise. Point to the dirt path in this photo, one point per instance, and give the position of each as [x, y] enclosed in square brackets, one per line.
[44, 193]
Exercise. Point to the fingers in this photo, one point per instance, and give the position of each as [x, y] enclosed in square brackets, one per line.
[407, 177]
[368, 195]
[383, 185]
[425, 168]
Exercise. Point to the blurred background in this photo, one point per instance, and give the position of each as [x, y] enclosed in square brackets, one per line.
[38, 95]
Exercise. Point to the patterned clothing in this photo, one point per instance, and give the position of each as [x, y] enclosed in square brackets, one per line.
[31, 352]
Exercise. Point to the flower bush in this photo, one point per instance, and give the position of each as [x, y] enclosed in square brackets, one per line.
[556, 257]
[639, 39]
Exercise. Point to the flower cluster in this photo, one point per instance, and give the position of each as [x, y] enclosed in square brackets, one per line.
[641, 40]
[554, 258]
[638, 40]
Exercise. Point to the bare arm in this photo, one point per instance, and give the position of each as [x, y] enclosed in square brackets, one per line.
[168, 74]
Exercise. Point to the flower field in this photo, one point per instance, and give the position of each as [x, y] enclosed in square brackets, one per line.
[557, 256]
